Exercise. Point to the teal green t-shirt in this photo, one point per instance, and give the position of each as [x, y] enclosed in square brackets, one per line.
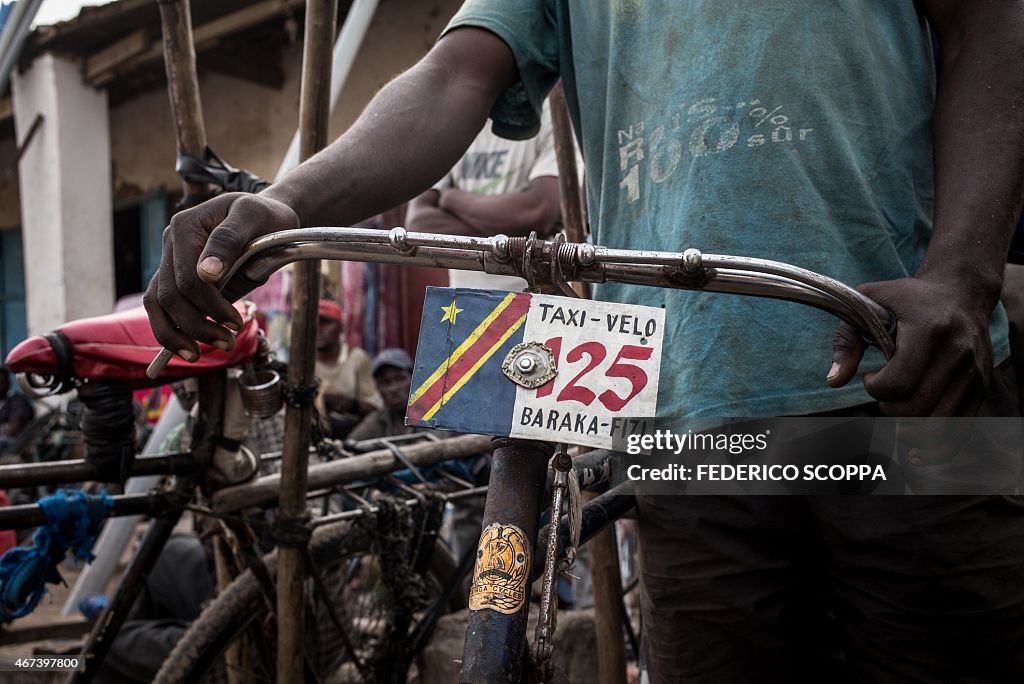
[795, 130]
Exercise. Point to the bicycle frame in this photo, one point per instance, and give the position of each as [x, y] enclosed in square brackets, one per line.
[110, 621]
[191, 470]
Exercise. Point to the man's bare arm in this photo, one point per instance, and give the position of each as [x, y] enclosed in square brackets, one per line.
[412, 132]
[535, 207]
[978, 140]
[424, 216]
[410, 135]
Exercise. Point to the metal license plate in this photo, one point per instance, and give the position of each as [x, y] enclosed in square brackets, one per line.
[606, 358]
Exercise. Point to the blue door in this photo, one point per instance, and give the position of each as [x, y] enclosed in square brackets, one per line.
[13, 327]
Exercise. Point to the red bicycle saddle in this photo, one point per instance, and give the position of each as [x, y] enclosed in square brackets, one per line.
[120, 346]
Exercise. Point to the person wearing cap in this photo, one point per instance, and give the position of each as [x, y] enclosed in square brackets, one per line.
[347, 389]
[392, 371]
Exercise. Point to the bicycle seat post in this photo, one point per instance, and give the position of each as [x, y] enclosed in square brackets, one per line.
[499, 597]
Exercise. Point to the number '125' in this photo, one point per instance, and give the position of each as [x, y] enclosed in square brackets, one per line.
[576, 391]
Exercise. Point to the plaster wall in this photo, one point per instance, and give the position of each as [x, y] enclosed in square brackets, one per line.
[65, 195]
[251, 125]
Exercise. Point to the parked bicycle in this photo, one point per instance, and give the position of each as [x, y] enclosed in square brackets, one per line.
[380, 579]
[103, 357]
[83, 355]
[495, 642]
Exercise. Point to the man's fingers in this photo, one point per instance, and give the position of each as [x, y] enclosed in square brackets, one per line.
[223, 247]
[193, 324]
[200, 246]
[186, 317]
[206, 297]
[247, 218]
[905, 373]
[184, 241]
[847, 352]
[164, 329]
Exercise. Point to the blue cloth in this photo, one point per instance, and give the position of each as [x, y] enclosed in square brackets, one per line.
[746, 129]
[74, 522]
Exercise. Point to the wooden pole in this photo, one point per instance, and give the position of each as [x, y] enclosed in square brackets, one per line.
[343, 471]
[603, 553]
[314, 111]
[190, 133]
[183, 83]
[568, 174]
[606, 580]
[573, 217]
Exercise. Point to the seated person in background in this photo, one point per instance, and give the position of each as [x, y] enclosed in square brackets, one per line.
[347, 390]
[15, 411]
[392, 371]
[181, 582]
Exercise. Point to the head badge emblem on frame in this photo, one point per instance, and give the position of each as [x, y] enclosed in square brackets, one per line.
[501, 570]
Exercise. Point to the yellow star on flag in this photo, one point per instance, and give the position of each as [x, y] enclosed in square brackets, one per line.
[450, 312]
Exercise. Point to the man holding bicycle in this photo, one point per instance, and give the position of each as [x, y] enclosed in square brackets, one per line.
[796, 130]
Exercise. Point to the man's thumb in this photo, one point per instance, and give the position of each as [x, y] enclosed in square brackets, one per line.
[847, 352]
[226, 242]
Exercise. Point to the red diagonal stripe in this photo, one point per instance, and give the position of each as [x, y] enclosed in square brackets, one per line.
[515, 310]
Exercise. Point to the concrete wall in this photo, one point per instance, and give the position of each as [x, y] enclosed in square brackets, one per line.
[65, 195]
[251, 125]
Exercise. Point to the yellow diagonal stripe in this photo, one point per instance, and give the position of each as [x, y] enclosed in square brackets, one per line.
[462, 348]
[476, 366]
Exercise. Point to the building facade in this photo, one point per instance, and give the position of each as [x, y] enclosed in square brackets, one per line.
[87, 144]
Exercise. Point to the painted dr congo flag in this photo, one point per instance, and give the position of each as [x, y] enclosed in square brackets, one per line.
[607, 362]
[464, 336]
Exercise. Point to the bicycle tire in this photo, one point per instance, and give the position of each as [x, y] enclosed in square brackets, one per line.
[198, 654]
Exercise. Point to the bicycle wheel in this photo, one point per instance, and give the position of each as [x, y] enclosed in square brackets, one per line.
[232, 640]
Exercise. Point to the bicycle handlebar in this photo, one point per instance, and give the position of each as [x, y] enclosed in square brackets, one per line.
[551, 264]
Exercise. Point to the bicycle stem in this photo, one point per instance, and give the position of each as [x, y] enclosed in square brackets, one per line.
[555, 263]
